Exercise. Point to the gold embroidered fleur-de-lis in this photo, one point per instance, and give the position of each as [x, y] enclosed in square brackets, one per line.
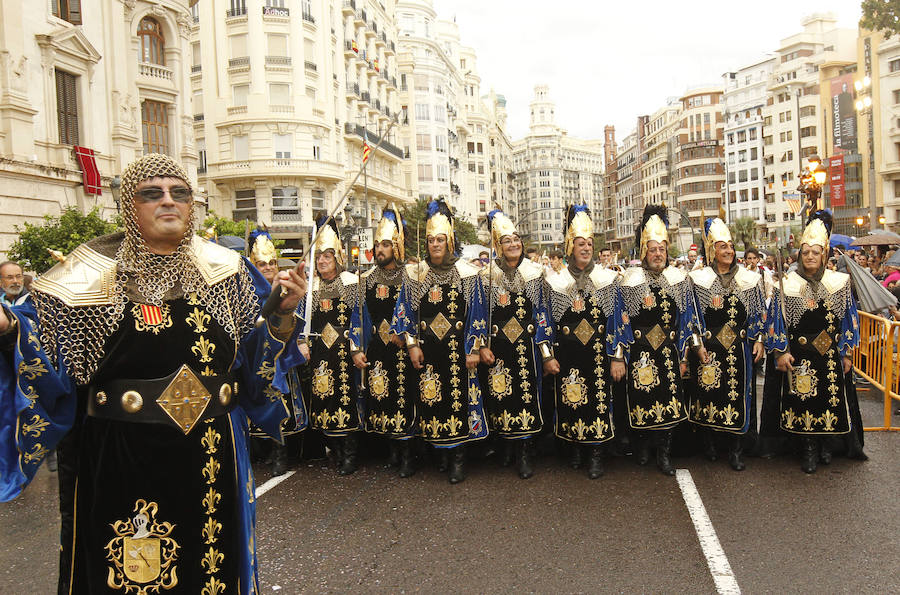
[453, 425]
[808, 420]
[659, 411]
[525, 419]
[213, 587]
[207, 371]
[505, 419]
[211, 470]
[198, 319]
[211, 560]
[36, 426]
[202, 348]
[398, 421]
[729, 414]
[211, 530]
[32, 370]
[341, 417]
[434, 426]
[828, 419]
[580, 428]
[266, 370]
[251, 493]
[192, 299]
[211, 440]
[638, 414]
[210, 500]
[599, 428]
[36, 454]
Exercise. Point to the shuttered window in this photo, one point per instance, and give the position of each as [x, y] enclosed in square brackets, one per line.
[155, 126]
[68, 10]
[67, 107]
[152, 42]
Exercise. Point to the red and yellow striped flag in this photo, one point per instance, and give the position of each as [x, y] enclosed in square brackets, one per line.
[366, 150]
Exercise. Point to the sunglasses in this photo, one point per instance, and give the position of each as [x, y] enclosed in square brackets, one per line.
[181, 194]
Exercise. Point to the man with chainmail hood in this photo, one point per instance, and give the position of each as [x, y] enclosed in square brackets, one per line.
[731, 304]
[389, 391]
[146, 353]
[512, 373]
[812, 327]
[659, 311]
[442, 317]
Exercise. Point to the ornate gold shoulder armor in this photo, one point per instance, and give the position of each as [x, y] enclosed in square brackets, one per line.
[746, 279]
[84, 278]
[530, 270]
[216, 263]
[348, 278]
[633, 276]
[834, 281]
[417, 271]
[601, 277]
[674, 275]
[704, 277]
[465, 269]
[561, 282]
[794, 284]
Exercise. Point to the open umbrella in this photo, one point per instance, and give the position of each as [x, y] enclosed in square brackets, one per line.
[872, 297]
[839, 240]
[894, 260]
[231, 242]
[471, 251]
[878, 238]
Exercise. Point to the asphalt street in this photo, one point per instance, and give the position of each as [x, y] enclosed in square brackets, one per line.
[629, 532]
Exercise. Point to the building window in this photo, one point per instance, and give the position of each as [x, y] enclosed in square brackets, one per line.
[240, 147]
[279, 94]
[153, 45]
[316, 149]
[422, 111]
[896, 94]
[68, 10]
[239, 94]
[244, 205]
[155, 127]
[201, 156]
[285, 205]
[318, 200]
[894, 65]
[282, 144]
[67, 107]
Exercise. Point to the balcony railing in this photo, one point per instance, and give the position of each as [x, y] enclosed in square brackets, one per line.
[196, 68]
[350, 3]
[239, 11]
[286, 215]
[309, 18]
[373, 139]
[365, 96]
[156, 71]
[198, 117]
[241, 214]
[278, 60]
[310, 65]
[237, 62]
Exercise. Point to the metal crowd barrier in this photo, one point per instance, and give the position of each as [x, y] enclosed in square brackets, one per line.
[876, 360]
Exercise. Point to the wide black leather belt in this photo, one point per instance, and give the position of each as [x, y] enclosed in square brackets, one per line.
[654, 335]
[182, 399]
[725, 335]
[821, 341]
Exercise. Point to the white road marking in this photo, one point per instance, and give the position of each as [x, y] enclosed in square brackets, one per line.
[709, 542]
[272, 483]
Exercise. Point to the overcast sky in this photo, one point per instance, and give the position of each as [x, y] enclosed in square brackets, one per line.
[608, 62]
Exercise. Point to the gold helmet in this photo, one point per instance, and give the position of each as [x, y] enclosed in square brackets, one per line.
[390, 227]
[499, 225]
[327, 238]
[654, 225]
[818, 230]
[715, 230]
[262, 249]
[578, 224]
[439, 220]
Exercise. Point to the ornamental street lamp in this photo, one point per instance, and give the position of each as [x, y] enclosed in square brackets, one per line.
[859, 222]
[812, 180]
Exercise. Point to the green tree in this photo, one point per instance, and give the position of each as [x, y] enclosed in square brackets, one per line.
[225, 226]
[743, 231]
[881, 15]
[63, 233]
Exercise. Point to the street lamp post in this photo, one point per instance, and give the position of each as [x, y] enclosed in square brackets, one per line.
[812, 180]
[863, 105]
[859, 222]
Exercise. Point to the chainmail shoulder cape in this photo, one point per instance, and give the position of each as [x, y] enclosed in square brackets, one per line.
[600, 285]
[800, 296]
[747, 286]
[380, 275]
[343, 287]
[77, 331]
[525, 278]
[420, 276]
[637, 281]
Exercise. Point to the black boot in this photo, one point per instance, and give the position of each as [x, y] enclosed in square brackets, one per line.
[643, 450]
[663, 449]
[525, 457]
[736, 454]
[509, 453]
[575, 459]
[394, 456]
[709, 445]
[810, 456]
[51, 461]
[335, 450]
[457, 464]
[407, 460]
[349, 462]
[595, 464]
[279, 459]
[825, 451]
[443, 459]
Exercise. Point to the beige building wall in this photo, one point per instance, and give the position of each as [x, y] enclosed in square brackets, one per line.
[38, 172]
[879, 58]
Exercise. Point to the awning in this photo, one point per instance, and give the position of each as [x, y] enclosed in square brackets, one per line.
[88, 164]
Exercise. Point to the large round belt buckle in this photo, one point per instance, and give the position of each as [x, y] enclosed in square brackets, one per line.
[132, 401]
[225, 394]
[100, 397]
[565, 330]
[802, 340]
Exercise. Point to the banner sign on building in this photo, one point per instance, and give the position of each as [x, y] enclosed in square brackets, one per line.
[843, 115]
[365, 239]
[836, 175]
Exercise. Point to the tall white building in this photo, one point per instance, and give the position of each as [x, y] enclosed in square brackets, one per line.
[746, 94]
[552, 170]
[792, 118]
[107, 76]
[285, 95]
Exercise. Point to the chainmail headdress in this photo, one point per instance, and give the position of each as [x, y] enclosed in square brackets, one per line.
[78, 333]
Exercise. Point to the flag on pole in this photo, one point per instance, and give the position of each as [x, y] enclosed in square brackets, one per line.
[366, 148]
[794, 202]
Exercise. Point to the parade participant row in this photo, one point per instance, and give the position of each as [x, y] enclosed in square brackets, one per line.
[450, 353]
